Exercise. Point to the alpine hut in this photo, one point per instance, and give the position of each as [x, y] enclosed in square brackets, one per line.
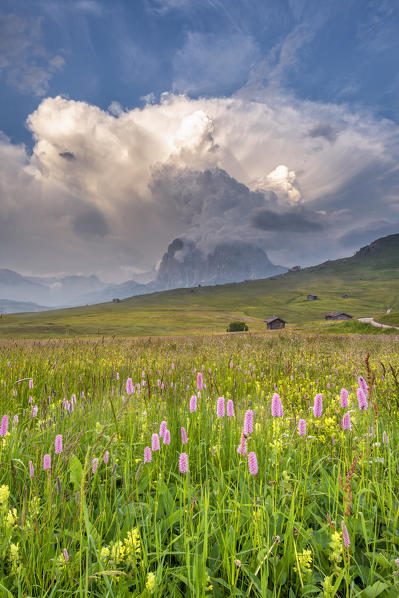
[275, 323]
[338, 315]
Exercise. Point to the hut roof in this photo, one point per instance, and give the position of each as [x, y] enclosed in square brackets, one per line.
[273, 319]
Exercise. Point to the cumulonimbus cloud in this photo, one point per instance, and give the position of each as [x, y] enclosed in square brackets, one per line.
[111, 190]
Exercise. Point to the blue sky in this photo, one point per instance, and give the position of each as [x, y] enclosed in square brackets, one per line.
[126, 49]
[171, 86]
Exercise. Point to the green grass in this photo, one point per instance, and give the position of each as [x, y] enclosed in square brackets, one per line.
[211, 309]
[217, 530]
[390, 319]
[355, 327]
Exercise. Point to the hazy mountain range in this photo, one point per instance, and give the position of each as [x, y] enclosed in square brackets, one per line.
[182, 265]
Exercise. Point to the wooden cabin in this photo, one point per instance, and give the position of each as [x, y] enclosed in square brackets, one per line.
[275, 323]
[338, 315]
[312, 297]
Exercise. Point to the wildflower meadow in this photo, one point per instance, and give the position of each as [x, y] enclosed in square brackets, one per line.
[227, 466]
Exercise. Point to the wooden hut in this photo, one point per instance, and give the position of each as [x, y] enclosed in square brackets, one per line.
[275, 323]
[338, 315]
[312, 297]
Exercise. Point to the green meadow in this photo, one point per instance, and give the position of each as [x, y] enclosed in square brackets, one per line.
[234, 499]
[372, 286]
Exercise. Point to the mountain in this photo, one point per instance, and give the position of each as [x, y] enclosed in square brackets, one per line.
[16, 287]
[13, 307]
[52, 291]
[184, 265]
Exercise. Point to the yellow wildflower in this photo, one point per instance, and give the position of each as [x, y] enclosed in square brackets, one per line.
[305, 562]
[11, 519]
[336, 548]
[4, 495]
[150, 585]
[14, 558]
[132, 546]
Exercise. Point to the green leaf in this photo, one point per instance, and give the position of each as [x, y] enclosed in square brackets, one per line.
[374, 590]
[75, 472]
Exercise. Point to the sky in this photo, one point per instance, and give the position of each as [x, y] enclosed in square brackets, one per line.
[127, 123]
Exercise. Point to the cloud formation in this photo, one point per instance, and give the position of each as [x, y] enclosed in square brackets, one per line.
[23, 57]
[106, 192]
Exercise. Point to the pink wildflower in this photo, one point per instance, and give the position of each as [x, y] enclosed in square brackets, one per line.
[220, 407]
[31, 383]
[252, 463]
[166, 438]
[363, 385]
[94, 465]
[31, 470]
[147, 455]
[16, 419]
[277, 408]
[200, 384]
[248, 422]
[302, 427]
[4, 425]
[65, 554]
[183, 466]
[183, 435]
[318, 405]
[362, 400]
[34, 410]
[230, 408]
[346, 422]
[106, 457]
[193, 404]
[47, 462]
[117, 375]
[129, 386]
[242, 447]
[344, 398]
[155, 442]
[162, 429]
[345, 535]
[58, 444]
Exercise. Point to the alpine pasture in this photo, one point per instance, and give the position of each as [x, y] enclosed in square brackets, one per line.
[196, 466]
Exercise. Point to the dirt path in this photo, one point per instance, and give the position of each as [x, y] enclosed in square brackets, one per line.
[377, 324]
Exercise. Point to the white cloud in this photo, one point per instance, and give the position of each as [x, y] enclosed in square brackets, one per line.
[110, 191]
[23, 56]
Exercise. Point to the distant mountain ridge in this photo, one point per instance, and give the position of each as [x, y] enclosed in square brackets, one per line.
[15, 307]
[184, 266]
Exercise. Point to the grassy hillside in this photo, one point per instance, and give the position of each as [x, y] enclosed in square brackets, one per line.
[370, 278]
[391, 319]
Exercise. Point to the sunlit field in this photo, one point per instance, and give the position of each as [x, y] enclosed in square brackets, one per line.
[226, 466]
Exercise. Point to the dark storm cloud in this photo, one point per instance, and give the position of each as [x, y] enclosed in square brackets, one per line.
[295, 220]
[90, 222]
[67, 156]
[324, 130]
